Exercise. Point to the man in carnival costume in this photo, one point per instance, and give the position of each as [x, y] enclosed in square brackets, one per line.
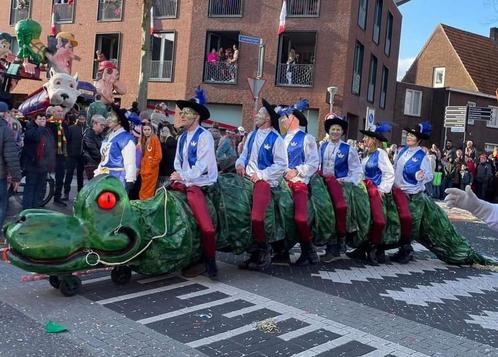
[118, 150]
[412, 170]
[55, 123]
[339, 163]
[196, 169]
[303, 161]
[264, 161]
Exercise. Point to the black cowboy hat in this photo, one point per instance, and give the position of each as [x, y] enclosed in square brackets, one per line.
[422, 131]
[334, 119]
[377, 131]
[197, 103]
[298, 109]
[121, 115]
[273, 115]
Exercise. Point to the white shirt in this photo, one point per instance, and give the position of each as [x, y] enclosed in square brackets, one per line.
[273, 173]
[425, 169]
[355, 172]
[387, 169]
[205, 170]
[311, 159]
[129, 154]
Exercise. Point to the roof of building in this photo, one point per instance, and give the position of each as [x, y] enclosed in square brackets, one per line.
[479, 55]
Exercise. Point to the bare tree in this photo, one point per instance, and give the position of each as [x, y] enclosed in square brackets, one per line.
[145, 54]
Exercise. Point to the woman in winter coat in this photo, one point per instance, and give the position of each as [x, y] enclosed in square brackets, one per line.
[151, 157]
[37, 159]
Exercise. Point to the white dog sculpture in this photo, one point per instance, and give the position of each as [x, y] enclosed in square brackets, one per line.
[62, 90]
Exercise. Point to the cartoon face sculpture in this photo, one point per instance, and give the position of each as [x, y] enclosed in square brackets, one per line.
[62, 90]
[62, 60]
[108, 82]
[5, 52]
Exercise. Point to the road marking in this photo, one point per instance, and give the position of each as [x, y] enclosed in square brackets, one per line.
[195, 294]
[155, 278]
[299, 332]
[145, 292]
[235, 332]
[489, 321]
[243, 311]
[187, 310]
[449, 290]
[347, 276]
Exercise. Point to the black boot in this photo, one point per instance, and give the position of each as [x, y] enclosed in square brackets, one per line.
[263, 260]
[332, 252]
[252, 259]
[341, 242]
[380, 255]
[357, 254]
[211, 268]
[308, 255]
[372, 254]
[281, 258]
[404, 254]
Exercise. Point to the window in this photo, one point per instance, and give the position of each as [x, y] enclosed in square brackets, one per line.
[377, 21]
[165, 8]
[108, 44]
[163, 45]
[303, 8]
[413, 102]
[357, 68]
[389, 34]
[493, 123]
[110, 10]
[222, 57]
[383, 88]
[296, 59]
[19, 10]
[438, 77]
[63, 11]
[362, 14]
[489, 147]
[471, 104]
[224, 8]
[372, 79]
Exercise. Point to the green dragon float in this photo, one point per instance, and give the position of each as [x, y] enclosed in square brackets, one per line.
[160, 235]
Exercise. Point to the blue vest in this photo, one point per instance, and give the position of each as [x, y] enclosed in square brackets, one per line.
[192, 148]
[412, 166]
[295, 151]
[372, 171]
[118, 143]
[341, 166]
[265, 154]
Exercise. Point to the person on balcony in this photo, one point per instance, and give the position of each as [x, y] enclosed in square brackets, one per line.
[212, 64]
[291, 61]
[232, 63]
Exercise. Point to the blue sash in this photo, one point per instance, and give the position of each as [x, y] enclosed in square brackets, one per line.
[192, 148]
[265, 154]
[372, 171]
[295, 151]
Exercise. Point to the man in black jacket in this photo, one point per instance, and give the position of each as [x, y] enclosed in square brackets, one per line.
[92, 141]
[75, 154]
[9, 163]
[55, 123]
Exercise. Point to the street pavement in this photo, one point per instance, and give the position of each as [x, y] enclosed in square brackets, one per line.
[346, 308]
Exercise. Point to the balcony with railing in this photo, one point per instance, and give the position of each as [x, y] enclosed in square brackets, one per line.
[221, 73]
[161, 71]
[303, 8]
[63, 12]
[164, 9]
[110, 10]
[225, 8]
[295, 75]
[18, 12]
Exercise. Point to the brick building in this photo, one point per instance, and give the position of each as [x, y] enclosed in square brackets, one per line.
[351, 45]
[454, 68]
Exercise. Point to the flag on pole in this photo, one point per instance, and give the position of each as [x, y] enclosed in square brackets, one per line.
[283, 15]
[53, 30]
[152, 20]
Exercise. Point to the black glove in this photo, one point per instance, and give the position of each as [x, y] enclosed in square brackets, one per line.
[129, 186]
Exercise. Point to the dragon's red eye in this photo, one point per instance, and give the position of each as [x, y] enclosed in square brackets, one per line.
[106, 200]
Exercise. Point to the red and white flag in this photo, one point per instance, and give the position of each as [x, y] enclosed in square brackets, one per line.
[53, 29]
[283, 15]
[152, 30]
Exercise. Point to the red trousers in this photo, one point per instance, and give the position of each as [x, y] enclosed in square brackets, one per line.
[405, 216]
[340, 207]
[198, 204]
[377, 212]
[261, 197]
[300, 197]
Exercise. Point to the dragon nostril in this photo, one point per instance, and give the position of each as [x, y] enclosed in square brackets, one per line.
[21, 219]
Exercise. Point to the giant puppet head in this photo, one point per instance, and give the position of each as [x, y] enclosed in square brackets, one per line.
[62, 90]
[62, 60]
[108, 81]
[5, 51]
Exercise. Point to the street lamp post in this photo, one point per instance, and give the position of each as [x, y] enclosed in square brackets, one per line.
[332, 92]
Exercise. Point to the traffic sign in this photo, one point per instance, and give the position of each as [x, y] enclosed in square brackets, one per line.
[455, 116]
[370, 118]
[459, 129]
[480, 113]
[252, 40]
[256, 85]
